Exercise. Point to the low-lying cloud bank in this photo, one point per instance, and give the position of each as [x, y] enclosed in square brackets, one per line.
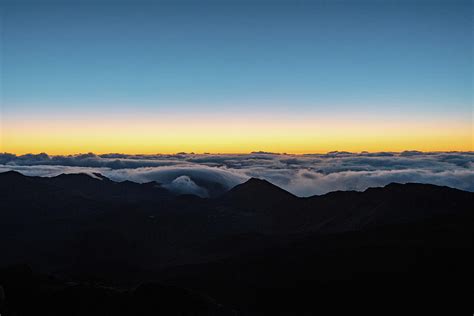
[303, 175]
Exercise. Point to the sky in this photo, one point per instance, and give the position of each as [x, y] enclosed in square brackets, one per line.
[235, 76]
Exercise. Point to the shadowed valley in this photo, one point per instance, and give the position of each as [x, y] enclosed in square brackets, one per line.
[79, 244]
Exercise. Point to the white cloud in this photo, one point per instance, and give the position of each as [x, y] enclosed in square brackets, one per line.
[184, 185]
[302, 175]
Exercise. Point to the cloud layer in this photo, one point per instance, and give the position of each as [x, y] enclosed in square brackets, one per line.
[303, 175]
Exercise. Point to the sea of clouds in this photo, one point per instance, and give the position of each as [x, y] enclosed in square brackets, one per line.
[303, 175]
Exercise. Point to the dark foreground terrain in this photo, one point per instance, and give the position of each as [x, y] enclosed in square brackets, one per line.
[81, 245]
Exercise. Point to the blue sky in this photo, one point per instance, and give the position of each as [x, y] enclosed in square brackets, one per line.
[307, 56]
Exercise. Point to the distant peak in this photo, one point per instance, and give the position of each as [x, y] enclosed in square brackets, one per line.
[257, 180]
[394, 185]
[256, 186]
[11, 173]
[82, 175]
[414, 186]
[72, 175]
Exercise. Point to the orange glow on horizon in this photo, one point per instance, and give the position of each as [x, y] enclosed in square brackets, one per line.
[238, 135]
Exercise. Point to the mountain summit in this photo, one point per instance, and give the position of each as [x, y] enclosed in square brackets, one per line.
[259, 189]
[258, 194]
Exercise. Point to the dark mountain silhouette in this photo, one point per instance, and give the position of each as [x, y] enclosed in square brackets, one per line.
[258, 189]
[253, 250]
[102, 188]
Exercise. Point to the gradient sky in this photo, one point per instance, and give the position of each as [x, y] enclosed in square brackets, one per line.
[293, 77]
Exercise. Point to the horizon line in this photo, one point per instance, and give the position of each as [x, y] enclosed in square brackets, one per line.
[235, 153]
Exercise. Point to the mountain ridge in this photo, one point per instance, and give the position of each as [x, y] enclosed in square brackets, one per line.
[254, 239]
[252, 184]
